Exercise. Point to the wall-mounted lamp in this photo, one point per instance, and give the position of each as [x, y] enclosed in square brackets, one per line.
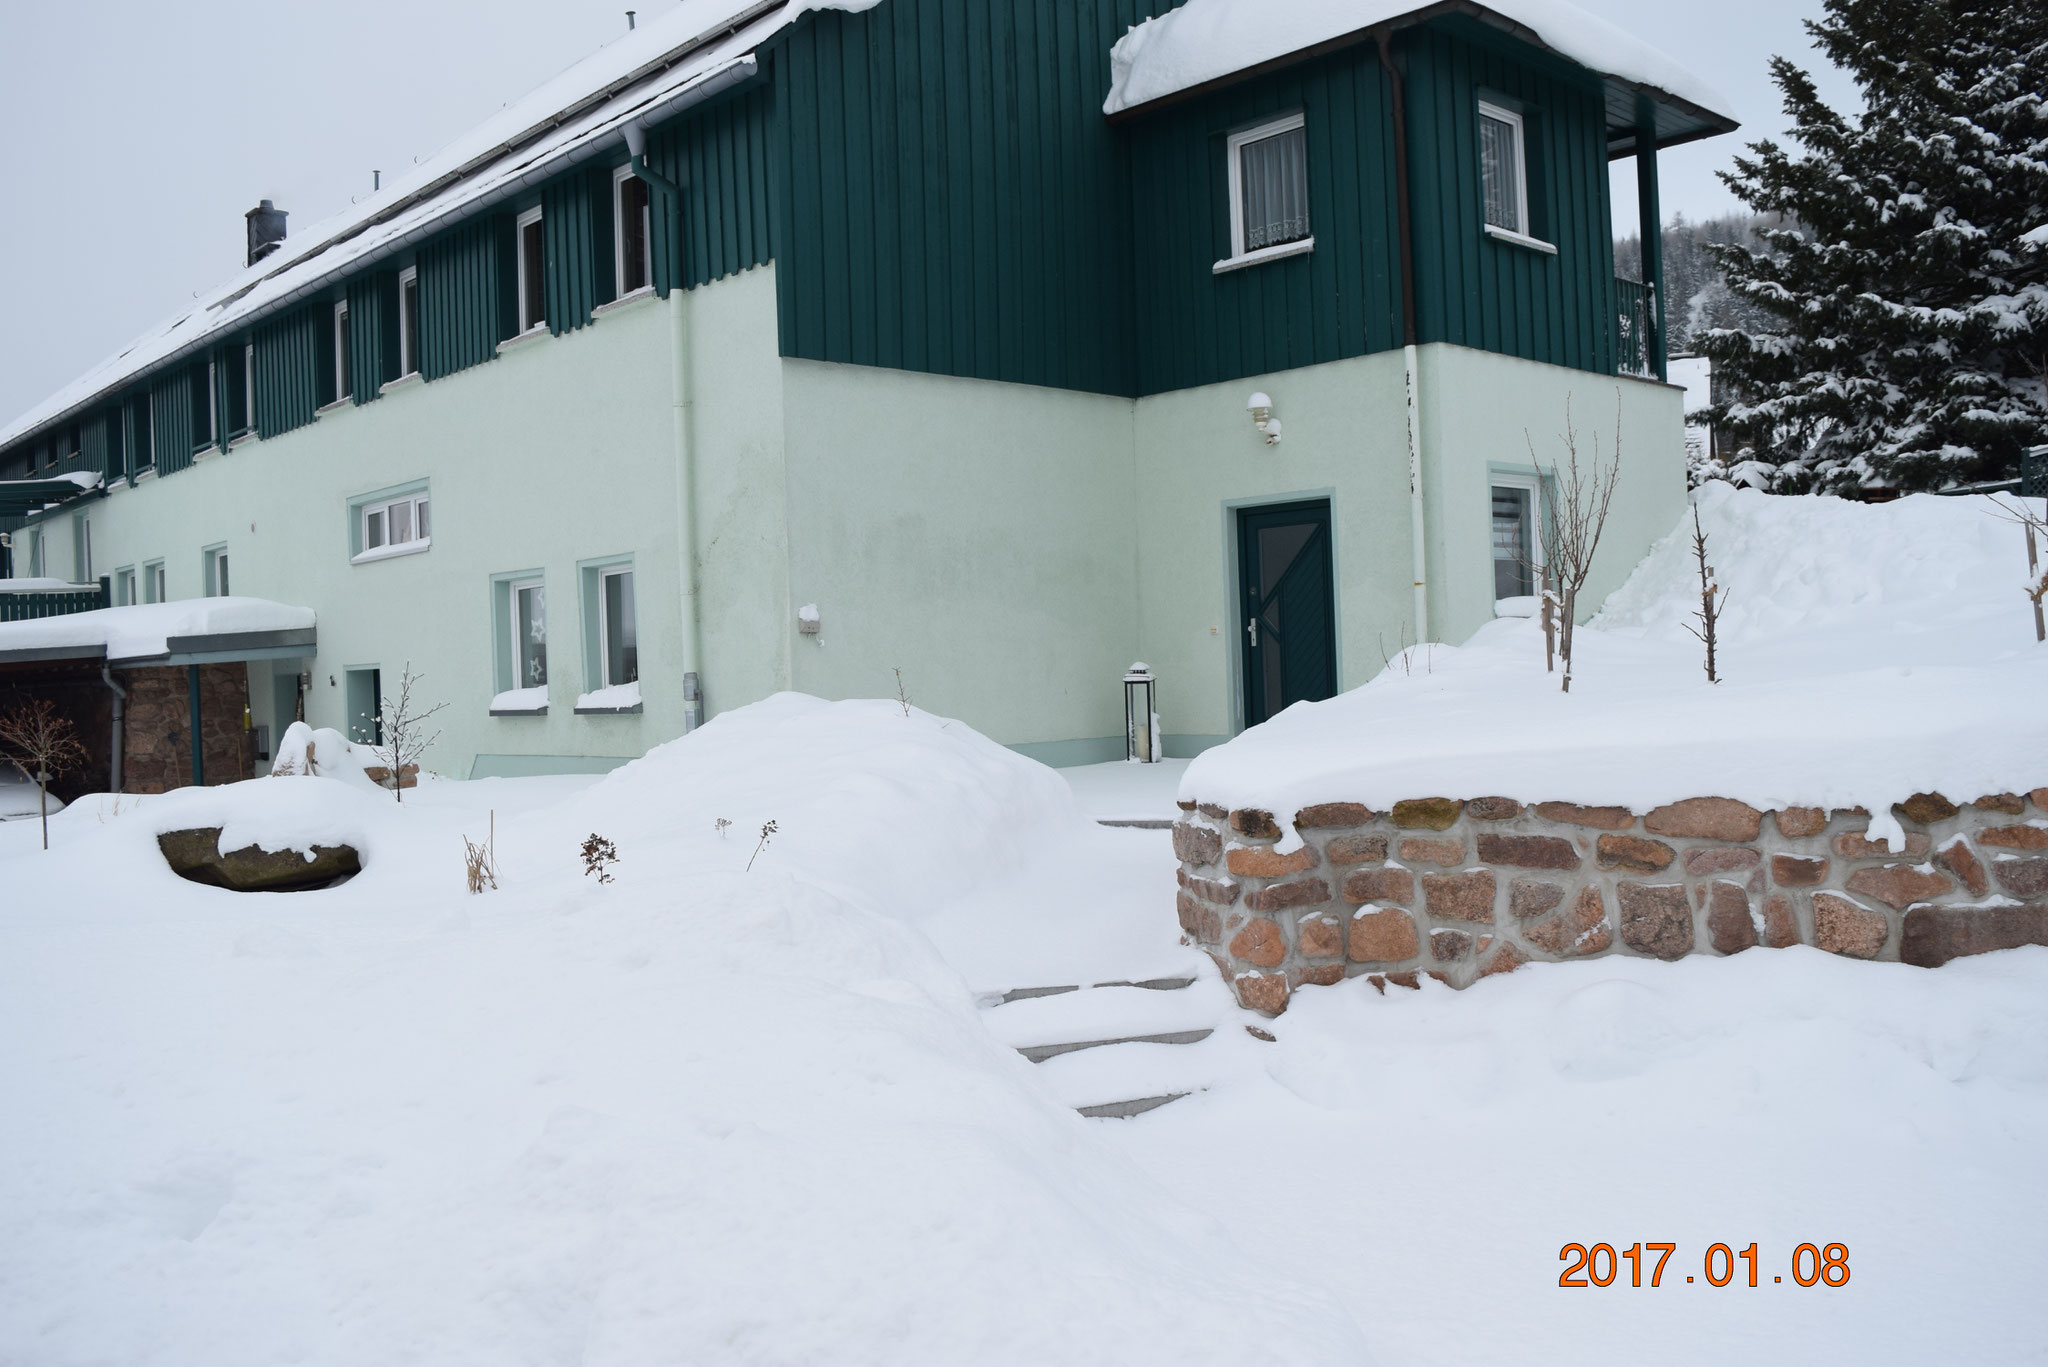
[1261, 408]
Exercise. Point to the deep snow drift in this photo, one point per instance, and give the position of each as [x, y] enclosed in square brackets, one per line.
[702, 1113]
[1866, 652]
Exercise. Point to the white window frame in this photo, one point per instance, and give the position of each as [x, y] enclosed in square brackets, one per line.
[155, 583]
[417, 500]
[1533, 486]
[341, 376]
[619, 290]
[604, 623]
[519, 227]
[85, 554]
[1234, 174]
[408, 341]
[126, 586]
[1519, 234]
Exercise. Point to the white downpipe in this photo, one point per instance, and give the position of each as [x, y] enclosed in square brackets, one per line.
[686, 506]
[1418, 556]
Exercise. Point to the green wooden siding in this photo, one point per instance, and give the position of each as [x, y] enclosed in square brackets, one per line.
[372, 333]
[576, 228]
[1471, 289]
[287, 369]
[468, 295]
[1342, 299]
[92, 444]
[948, 196]
[719, 156]
[170, 420]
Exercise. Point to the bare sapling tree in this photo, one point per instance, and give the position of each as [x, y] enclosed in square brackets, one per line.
[43, 744]
[1712, 596]
[405, 736]
[1547, 605]
[1580, 498]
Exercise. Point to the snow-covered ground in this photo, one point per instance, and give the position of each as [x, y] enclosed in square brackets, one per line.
[758, 1099]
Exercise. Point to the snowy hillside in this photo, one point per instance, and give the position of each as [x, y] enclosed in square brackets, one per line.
[703, 1113]
[1866, 653]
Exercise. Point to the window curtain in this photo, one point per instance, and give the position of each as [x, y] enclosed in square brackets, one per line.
[1501, 167]
[1275, 190]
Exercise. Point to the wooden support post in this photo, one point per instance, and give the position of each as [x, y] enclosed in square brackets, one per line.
[1652, 223]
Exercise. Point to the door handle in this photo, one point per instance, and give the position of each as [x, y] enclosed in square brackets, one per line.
[1252, 626]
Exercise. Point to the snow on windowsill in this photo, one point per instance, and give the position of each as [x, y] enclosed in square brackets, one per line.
[619, 698]
[1523, 605]
[624, 301]
[521, 702]
[1263, 255]
[1510, 236]
[531, 334]
[392, 552]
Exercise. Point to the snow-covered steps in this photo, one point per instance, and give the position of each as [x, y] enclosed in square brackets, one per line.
[1140, 1040]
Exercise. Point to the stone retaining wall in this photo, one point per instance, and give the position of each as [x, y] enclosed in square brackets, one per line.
[1462, 890]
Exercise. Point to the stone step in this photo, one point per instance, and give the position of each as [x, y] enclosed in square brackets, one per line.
[1124, 1110]
[1039, 1053]
[1018, 994]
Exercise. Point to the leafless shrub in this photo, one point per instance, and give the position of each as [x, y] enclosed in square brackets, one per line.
[1571, 535]
[901, 696]
[405, 736]
[43, 744]
[599, 854]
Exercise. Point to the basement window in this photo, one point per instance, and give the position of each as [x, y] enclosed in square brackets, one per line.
[632, 227]
[1267, 167]
[1516, 536]
[533, 306]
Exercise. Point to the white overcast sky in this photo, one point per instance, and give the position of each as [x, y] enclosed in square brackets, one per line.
[138, 133]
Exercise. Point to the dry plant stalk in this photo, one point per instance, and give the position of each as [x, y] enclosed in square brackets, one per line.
[1712, 595]
[480, 862]
[43, 744]
[901, 695]
[599, 854]
[1571, 535]
[2037, 579]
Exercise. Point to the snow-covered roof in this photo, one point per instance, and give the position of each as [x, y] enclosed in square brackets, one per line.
[144, 631]
[1208, 40]
[659, 68]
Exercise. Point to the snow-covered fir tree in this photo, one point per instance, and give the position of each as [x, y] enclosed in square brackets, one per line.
[1907, 290]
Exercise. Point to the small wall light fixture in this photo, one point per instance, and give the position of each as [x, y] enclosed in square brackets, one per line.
[1261, 408]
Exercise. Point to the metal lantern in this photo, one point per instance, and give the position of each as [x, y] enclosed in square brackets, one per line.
[1141, 721]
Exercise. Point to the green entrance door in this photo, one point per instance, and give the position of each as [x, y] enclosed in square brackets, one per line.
[1288, 621]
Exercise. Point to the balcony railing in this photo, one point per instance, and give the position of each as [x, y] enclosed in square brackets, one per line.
[18, 605]
[1636, 322]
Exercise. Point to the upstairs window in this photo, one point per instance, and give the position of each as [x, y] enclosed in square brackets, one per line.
[533, 293]
[409, 321]
[153, 586]
[216, 570]
[249, 387]
[1268, 170]
[1504, 176]
[341, 375]
[631, 226]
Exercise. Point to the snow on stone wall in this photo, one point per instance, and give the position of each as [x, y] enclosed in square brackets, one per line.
[1463, 890]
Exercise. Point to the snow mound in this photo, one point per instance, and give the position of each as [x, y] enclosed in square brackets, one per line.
[1207, 39]
[1867, 653]
[703, 1113]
